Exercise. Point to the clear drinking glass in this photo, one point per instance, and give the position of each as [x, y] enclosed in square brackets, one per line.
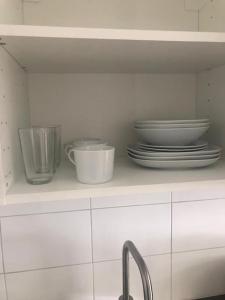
[58, 144]
[38, 150]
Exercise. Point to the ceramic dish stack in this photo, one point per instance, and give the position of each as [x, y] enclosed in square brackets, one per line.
[173, 144]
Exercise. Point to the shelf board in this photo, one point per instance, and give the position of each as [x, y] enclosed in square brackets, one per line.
[128, 179]
[89, 50]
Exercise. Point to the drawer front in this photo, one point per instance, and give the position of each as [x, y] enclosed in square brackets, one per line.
[198, 225]
[73, 282]
[198, 274]
[48, 240]
[108, 278]
[147, 226]
[215, 191]
[129, 200]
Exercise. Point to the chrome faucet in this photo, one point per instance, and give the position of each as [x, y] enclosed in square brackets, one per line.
[145, 276]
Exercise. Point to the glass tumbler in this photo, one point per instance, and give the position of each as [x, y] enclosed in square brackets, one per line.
[38, 150]
[58, 144]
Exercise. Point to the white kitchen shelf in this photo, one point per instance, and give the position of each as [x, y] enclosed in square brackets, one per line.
[62, 49]
[128, 179]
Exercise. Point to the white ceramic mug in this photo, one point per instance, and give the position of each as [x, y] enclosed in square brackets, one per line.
[83, 143]
[94, 165]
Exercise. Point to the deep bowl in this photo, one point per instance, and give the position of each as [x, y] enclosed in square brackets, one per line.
[171, 136]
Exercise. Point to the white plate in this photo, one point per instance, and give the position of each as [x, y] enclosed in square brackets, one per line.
[146, 126]
[172, 121]
[199, 145]
[171, 136]
[185, 157]
[211, 150]
[180, 164]
[194, 145]
[172, 150]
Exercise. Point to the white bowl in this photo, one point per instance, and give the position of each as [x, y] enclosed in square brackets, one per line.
[194, 125]
[192, 121]
[171, 136]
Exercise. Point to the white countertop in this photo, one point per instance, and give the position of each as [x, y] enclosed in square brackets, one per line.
[128, 179]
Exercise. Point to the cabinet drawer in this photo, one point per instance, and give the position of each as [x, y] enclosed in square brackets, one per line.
[49, 240]
[147, 226]
[198, 274]
[129, 200]
[198, 225]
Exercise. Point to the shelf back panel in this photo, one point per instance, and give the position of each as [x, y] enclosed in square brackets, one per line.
[106, 105]
[11, 12]
[212, 16]
[130, 14]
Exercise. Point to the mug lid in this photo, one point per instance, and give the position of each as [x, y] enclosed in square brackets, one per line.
[94, 148]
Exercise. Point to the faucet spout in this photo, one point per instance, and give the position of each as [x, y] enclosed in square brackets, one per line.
[129, 247]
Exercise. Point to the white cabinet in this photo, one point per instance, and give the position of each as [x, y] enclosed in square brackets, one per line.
[96, 79]
[47, 240]
[147, 226]
[198, 225]
[198, 274]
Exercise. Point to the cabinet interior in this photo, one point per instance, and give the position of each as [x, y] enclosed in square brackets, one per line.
[101, 97]
[189, 15]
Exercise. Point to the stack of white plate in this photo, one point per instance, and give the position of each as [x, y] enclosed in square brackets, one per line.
[173, 144]
[171, 133]
[175, 157]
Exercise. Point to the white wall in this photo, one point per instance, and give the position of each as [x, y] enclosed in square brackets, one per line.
[211, 102]
[11, 12]
[105, 105]
[151, 14]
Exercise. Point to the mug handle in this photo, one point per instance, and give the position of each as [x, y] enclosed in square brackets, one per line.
[67, 148]
[72, 160]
